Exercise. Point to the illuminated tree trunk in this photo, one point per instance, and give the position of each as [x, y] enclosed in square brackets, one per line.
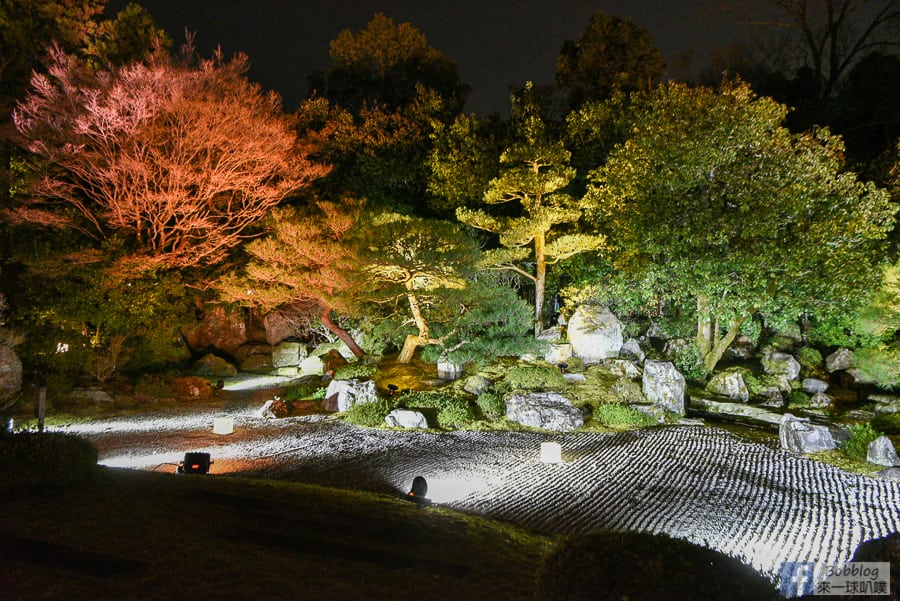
[340, 332]
[712, 358]
[413, 341]
[704, 327]
[540, 281]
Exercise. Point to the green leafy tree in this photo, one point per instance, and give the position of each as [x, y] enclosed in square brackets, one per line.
[712, 199]
[410, 264]
[481, 322]
[304, 261]
[381, 154]
[130, 36]
[612, 54]
[534, 173]
[384, 64]
[464, 158]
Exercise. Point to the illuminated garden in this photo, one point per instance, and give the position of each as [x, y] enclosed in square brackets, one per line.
[635, 336]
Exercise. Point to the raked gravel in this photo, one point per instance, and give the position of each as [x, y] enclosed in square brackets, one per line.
[754, 502]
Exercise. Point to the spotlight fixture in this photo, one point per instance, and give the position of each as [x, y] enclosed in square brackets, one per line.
[194, 463]
[418, 491]
[392, 389]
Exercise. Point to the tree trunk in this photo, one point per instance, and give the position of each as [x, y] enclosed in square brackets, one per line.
[711, 359]
[705, 338]
[410, 345]
[340, 332]
[540, 281]
[414, 340]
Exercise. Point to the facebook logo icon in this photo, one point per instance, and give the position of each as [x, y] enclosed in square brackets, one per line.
[797, 578]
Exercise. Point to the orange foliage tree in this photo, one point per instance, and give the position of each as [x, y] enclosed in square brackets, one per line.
[304, 260]
[181, 159]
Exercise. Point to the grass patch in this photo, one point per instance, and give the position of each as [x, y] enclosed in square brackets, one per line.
[845, 462]
[622, 417]
[162, 536]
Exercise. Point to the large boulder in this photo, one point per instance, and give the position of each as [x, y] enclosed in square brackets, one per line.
[311, 366]
[729, 384]
[91, 394]
[753, 412]
[799, 436]
[881, 451]
[405, 418]
[595, 333]
[546, 410]
[211, 365]
[885, 404]
[632, 350]
[221, 329]
[448, 370]
[663, 385]
[343, 394]
[288, 354]
[781, 364]
[839, 360]
[813, 385]
[622, 368]
[10, 373]
[558, 353]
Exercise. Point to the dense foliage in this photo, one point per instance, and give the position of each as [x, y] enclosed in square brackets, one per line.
[145, 181]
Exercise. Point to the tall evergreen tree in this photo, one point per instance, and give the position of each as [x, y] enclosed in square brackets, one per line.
[542, 230]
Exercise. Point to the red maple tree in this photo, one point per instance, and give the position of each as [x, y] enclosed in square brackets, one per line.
[182, 159]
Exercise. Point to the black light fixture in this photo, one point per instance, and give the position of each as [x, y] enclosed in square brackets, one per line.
[418, 491]
[195, 463]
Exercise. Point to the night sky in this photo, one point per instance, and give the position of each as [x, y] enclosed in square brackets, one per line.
[495, 43]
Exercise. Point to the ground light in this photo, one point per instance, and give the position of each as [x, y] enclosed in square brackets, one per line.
[195, 463]
[419, 491]
[551, 452]
[223, 425]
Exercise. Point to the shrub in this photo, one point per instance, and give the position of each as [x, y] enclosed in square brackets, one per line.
[889, 423]
[444, 410]
[860, 437]
[690, 364]
[370, 414]
[32, 461]
[622, 415]
[879, 365]
[575, 364]
[491, 405]
[611, 565]
[798, 399]
[307, 389]
[809, 358]
[362, 371]
[535, 377]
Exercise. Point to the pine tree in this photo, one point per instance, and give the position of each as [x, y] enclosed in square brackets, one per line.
[534, 172]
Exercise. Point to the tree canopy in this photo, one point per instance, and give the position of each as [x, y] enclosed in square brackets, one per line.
[612, 54]
[180, 160]
[384, 63]
[534, 173]
[713, 199]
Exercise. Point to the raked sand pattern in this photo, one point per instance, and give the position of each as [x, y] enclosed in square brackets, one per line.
[753, 502]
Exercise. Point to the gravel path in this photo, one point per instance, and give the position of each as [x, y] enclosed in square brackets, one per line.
[759, 504]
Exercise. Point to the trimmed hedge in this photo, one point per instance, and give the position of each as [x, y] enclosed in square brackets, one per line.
[639, 566]
[32, 461]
